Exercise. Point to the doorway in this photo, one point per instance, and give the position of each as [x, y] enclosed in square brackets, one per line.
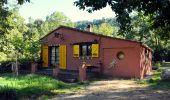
[54, 56]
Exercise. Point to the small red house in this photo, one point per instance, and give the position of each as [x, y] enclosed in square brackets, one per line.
[68, 47]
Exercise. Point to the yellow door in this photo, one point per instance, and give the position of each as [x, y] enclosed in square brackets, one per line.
[62, 55]
[45, 55]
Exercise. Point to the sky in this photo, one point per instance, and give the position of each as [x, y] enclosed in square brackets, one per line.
[41, 8]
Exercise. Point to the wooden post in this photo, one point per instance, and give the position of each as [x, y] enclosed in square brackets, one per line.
[14, 68]
[33, 67]
[55, 71]
[82, 72]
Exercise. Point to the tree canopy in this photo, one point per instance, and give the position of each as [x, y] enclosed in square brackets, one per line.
[157, 10]
[19, 1]
[23, 38]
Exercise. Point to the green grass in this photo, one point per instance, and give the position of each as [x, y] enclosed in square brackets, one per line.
[166, 64]
[32, 85]
[155, 81]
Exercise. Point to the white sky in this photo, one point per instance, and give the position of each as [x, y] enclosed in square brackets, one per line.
[42, 8]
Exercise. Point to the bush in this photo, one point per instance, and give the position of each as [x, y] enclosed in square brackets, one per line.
[3, 56]
[8, 93]
[158, 65]
[5, 67]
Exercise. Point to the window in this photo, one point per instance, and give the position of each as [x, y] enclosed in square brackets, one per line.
[85, 50]
[54, 55]
[120, 55]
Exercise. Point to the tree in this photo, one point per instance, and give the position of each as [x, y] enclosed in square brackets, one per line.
[5, 24]
[19, 1]
[155, 9]
[56, 19]
[96, 23]
[106, 29]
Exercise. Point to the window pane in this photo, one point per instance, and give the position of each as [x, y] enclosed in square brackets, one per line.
[57, 55]
[54, 55]
[53, 49]
[84, 50]
[89, 50]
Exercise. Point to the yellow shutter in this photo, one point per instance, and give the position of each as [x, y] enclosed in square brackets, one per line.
[95, 50]
[62, 54]
[45, 55]
[75, 50]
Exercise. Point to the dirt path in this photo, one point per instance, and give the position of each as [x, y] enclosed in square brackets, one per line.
[117, 90]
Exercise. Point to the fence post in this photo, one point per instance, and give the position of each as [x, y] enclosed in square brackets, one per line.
[33, 67]
[55, 71]
[82, 72]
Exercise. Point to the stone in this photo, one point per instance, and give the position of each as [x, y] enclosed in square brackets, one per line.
[165, 75]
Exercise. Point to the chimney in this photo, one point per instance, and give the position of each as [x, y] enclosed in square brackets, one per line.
[89, 28]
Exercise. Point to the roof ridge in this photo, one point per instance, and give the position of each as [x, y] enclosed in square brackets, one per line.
[97, 34]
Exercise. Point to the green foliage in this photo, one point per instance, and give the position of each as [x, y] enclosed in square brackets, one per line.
[125, 8]
[19, 1]
[155, 82]
[7, 93]
[45, 97]
[108, 26]
[23, 40]
[3, 56]
[158, 65]
[106, 29]
[56, 19]
[34, 85]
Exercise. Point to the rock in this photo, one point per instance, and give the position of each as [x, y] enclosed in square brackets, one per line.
[165, 75]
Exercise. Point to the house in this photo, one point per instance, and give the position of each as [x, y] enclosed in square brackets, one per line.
[68, 47]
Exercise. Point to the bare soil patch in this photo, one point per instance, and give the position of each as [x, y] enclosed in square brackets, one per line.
[116, 89]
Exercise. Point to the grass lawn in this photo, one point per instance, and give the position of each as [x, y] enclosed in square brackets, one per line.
[155, 81]
[33, 86]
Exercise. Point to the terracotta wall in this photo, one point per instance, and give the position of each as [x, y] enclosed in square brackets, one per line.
[130, 66]
[127, 67]
[145, 62]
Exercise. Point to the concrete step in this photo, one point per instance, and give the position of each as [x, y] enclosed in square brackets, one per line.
[68, 75]
[45, 72]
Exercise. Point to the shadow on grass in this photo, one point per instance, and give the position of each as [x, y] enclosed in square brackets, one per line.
[156, 82]
[159, 84]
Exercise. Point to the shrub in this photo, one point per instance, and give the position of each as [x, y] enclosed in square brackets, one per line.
[158, 65]
[8, 93]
